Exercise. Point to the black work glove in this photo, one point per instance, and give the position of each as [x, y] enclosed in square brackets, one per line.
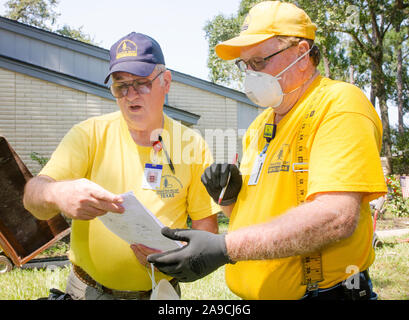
[204, 253]
[215, 178]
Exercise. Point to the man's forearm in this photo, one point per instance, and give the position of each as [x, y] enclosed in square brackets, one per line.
[37, 198]
[301, 230]
[227, 210]
[207, 224]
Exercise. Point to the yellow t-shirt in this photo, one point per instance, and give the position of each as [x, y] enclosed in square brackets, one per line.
[343, 146]
[101, 149]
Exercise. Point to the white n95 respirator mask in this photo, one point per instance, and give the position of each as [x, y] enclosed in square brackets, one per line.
[162, 290]
[264, 89]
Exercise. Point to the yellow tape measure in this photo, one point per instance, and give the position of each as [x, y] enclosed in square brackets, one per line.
[312, 264]
[312, 271]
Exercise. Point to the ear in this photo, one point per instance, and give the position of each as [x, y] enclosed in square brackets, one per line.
[167, 77]
[303, 47]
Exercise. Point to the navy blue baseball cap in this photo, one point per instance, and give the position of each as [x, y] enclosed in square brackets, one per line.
[136, 53]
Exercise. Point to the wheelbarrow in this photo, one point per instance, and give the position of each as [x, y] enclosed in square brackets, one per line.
[22, 236]
[378, 209]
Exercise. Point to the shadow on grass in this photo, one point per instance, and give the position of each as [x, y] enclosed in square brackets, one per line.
[387, 244]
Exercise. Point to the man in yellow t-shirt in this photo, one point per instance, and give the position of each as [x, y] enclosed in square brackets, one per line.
[300, 224]
[103, 157]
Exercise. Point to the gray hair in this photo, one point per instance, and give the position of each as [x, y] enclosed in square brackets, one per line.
[315, 53]
[160, 68]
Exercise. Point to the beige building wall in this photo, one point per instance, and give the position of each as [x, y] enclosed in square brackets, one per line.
[36, 114]
[218, 118]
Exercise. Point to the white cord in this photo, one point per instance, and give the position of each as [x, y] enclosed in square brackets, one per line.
[152, 276]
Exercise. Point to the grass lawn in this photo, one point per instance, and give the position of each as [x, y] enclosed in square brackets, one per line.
[389, 273]
[24, 284]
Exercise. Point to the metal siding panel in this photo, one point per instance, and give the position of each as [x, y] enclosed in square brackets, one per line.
[80, 65]
[94, 71]
[7, 43]
[67, 62]
[36, 53]
[245, 115]
[180, 116]
[52, 38]
[55, 78]
[22, 46]
[51, 57]
[104, 69]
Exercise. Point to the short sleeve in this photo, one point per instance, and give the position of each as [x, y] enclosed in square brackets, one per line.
[71, 158]
[345, 156]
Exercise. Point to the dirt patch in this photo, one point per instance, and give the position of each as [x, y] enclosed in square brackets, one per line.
[389, 222]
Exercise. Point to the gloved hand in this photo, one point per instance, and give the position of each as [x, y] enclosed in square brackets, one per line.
[215, 178]
[204, 253]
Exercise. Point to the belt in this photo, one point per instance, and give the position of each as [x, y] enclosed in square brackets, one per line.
[342, 291]
[119, 294]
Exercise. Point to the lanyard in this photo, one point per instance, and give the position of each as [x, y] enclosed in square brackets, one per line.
[157, 147]
[269, 134]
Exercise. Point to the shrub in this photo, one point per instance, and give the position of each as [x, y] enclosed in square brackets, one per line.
[395, 203]
[400, 149]
[42, 161]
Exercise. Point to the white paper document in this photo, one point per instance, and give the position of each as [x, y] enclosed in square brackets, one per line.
[138, 225]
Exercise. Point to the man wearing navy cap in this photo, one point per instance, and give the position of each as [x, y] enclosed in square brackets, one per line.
[103, 157]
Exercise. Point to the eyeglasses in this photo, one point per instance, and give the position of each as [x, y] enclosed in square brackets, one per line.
[257, 63]
[120, 89]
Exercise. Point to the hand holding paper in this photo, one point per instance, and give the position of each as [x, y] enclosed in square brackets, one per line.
[142, 252]
[82, 199]
[137, 225]
[204, 253]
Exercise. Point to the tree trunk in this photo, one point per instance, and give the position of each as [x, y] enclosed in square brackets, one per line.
[326, 62]
[373, 85]
[373, 72]
[351, 74]
[379, 84]
[399, 87]
[386, 138]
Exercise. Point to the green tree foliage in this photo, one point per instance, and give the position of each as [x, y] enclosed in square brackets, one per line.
[369, 27]
[222, 28]
[335, 60]
[76, 34]
[38, 13]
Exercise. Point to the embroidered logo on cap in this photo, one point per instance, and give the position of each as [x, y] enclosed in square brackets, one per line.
[126, 48]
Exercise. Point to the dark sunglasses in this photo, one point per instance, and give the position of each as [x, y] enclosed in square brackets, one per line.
[257, 63]
[120, 89]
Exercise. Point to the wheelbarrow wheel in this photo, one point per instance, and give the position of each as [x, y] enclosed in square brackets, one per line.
[5, 264]
[376, 242]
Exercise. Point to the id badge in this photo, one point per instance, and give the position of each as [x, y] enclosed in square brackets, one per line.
[152, 176]
[256, 172]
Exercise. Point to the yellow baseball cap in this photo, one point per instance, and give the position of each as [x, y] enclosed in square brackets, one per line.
[266, 20]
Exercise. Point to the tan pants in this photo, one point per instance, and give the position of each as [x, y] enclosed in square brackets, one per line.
[78, 290]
